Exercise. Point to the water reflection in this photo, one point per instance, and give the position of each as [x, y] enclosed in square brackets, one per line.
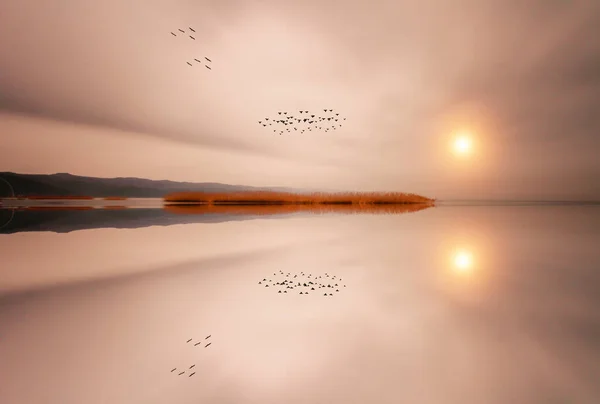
[64, 218]
[100, 315]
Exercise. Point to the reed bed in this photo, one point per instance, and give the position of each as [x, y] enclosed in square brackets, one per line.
[274, 209]
[281, 198]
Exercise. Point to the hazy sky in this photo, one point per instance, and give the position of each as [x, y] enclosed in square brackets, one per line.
[101, 88]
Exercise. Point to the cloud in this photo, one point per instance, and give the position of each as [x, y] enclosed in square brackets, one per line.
[396, 69]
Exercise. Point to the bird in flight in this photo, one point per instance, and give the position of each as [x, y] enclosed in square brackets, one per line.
[192, 37]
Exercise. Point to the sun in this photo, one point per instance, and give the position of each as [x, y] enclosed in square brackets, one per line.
[463, 261]
[462, 144]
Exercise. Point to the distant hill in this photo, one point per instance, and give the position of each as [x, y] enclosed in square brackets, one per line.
[64, 184]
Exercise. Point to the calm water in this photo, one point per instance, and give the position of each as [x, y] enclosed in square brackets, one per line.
[454, 304]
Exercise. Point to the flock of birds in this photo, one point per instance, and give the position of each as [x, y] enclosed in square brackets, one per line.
[191, 35]
[304, 283]
[189, 369]
[303, 121]
[284, 122]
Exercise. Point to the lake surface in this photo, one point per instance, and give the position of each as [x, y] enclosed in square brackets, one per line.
[452, 304]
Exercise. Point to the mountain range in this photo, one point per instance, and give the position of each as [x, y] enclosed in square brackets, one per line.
[64, 184]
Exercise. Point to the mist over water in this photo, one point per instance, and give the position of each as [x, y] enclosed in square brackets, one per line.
[453, 304]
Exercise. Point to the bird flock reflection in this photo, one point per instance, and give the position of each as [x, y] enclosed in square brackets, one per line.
[191, 35]
[303, 121]
[303, 283]
[190, 369]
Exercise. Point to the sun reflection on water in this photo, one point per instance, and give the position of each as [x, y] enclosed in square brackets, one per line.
[463, 262]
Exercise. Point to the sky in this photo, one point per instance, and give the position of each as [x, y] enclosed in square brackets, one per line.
[101, 88]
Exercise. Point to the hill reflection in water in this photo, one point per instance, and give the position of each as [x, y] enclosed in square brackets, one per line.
[64, 219]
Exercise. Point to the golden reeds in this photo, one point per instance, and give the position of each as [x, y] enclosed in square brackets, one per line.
[283, 198]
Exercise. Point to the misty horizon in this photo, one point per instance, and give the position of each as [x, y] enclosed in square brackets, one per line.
[521, 76]
[273, 187]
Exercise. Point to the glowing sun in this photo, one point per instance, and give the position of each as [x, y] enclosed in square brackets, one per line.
[463, 261]
[463, 144]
